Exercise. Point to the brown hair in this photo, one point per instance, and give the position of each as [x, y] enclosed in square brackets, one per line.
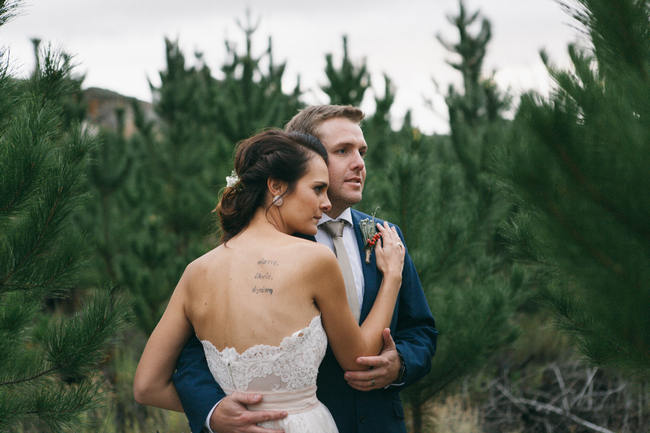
[309, 119]
[269, 154]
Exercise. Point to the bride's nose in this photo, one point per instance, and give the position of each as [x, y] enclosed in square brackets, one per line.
[326, 205]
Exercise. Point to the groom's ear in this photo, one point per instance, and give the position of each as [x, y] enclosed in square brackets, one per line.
[276, 186]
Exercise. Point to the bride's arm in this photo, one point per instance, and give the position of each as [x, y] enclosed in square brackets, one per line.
[347, 339]
[153, 384]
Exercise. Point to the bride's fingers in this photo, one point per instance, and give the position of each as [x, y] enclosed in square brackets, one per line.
[389, 235]
[386, 230]
[396, 239]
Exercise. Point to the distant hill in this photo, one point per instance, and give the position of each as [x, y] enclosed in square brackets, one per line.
[103, 106]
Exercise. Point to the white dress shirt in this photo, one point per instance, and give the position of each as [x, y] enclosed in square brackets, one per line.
[351, 247]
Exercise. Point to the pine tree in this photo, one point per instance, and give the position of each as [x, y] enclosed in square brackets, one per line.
[46, 360]
[109, 169]
[72, 108]
[347, 84]
[379, 133]
[578, 162]
[250, 98]
[474, 112]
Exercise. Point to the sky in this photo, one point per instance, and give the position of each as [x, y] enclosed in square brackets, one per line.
[119, 44]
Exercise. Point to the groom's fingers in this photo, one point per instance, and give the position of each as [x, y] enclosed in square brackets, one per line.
[375, 378]
[370, 361]
[245, 398]
[262, 430]
[232, 415]
[389, 343]
[258, 429]
[384, 368]
[251, 418]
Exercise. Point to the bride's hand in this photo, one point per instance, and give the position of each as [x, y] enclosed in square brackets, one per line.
[389, 252]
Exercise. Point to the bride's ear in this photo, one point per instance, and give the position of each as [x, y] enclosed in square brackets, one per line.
[276, 187]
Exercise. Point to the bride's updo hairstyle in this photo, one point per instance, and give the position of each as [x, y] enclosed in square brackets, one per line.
[269, 154]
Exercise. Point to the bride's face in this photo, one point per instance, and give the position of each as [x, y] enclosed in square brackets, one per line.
[304, 206]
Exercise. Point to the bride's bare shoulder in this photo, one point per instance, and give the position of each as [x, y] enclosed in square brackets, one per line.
[313, 256]
[203, 264]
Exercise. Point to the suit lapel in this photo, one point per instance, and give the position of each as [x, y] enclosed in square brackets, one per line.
[370, 276]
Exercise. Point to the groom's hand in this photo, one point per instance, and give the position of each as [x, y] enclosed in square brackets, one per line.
[384, 370]
[232, 415]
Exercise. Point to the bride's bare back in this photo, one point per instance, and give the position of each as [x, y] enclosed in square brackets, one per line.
[251, 291]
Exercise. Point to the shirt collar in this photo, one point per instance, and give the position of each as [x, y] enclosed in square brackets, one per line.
[346, 216]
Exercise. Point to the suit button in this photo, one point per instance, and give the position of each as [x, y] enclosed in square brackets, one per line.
[362, 419]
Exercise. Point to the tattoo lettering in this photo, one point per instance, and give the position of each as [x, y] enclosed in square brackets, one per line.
[267, 262]
[263, 276]
[262, 290]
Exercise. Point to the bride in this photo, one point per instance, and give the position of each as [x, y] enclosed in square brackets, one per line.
[265, 303]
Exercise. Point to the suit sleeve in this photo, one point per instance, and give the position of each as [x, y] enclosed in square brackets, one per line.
[415, 334]
[195, 385]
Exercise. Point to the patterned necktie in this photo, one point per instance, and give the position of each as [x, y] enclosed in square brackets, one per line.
[335, 230]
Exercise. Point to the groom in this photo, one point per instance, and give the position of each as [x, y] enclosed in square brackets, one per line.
[363, 401]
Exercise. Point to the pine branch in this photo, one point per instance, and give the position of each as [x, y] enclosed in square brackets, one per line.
[30, 378]
[8, 10]
[44, 229]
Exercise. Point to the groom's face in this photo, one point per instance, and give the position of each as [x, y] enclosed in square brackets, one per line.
[346, 149]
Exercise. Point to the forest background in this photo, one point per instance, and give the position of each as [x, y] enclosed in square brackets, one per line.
[529, 231]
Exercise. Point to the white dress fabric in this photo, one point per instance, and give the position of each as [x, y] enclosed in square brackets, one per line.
[285, 375]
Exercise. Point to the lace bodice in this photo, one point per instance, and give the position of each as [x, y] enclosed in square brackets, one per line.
[293, 365]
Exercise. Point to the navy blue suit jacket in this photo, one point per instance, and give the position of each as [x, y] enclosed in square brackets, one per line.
[412, 327]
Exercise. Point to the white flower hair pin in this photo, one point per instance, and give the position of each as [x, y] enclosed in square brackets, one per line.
[232, 180]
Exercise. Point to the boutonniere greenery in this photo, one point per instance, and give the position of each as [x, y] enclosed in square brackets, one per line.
[370, 236]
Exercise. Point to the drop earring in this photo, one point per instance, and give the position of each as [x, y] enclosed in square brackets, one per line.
[277, 201]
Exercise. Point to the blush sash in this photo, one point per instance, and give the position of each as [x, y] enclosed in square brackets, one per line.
[295, 401]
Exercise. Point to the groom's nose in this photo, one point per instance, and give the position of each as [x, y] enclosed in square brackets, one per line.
[357, 162]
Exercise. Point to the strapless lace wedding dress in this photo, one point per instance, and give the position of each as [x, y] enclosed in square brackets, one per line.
[285, 375]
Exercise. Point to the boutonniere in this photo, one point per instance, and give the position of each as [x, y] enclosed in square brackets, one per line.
[370, 236]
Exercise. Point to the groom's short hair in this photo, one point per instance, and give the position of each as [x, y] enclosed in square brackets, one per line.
[309, 119]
